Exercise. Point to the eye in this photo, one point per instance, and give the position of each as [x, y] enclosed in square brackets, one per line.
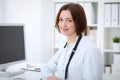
[60, 19]
[69, 20]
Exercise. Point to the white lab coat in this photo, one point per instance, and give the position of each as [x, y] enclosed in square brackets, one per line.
[86, 64]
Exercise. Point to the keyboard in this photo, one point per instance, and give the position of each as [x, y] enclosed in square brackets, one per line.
[10, 74]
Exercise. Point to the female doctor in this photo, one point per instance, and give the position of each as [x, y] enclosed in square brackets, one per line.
[79, 59]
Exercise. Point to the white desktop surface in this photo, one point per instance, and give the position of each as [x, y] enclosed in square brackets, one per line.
[27, 75]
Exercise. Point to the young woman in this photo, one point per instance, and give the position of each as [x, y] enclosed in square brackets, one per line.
[79, 59]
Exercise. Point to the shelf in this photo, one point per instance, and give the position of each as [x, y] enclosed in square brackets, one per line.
[111, 50]
[93, 1]
[111, 26]
[92, 25]
[109, 33]
[112, 1]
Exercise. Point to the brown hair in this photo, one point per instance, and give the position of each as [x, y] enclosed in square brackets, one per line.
[78, 16]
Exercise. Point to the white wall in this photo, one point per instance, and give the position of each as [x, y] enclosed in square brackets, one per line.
[47, 29]
[36, 15]
[2, 10]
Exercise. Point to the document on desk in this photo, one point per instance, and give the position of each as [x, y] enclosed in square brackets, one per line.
[32, 69]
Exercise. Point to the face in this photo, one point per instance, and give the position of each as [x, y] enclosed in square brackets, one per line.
[66, 23]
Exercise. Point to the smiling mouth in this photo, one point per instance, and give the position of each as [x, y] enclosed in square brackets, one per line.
[64, 29]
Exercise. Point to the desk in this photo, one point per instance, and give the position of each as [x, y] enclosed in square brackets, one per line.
[27, 75]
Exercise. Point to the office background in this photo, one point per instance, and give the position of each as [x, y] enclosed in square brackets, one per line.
[38, 19]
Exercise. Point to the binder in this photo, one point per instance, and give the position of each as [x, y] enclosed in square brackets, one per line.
[115, 14]
[107, 14]
[90, 13]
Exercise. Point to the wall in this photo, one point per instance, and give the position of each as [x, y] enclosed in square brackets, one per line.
[38, 29]
[2, 10]
[48, 29]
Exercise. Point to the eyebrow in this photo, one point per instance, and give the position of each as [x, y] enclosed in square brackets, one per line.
[66, 18]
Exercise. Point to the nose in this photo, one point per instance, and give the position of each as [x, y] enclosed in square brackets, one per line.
[63, 24]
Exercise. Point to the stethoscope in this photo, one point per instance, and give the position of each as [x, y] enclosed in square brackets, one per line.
[72, 53]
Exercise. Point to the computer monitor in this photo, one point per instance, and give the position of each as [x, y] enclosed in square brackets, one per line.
[12, 47]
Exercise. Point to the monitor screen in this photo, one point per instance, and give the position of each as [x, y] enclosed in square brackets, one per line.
[11, 43]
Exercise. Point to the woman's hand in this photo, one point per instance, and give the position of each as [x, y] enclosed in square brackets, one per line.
[52, 78]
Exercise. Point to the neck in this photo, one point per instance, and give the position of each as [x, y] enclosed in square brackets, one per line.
[71, 38]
